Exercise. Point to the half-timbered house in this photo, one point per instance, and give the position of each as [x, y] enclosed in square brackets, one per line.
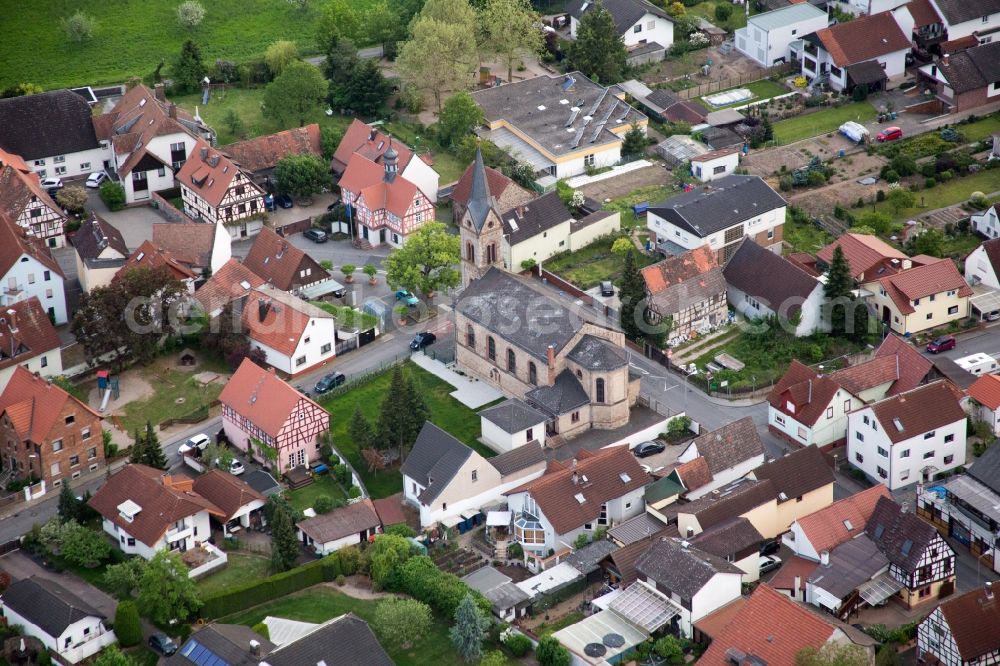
[269, 420]
[23, 200]
[385, 206]
[215, 189]
[27, 269]
[373, 144]
[964, 630]
[919, 559]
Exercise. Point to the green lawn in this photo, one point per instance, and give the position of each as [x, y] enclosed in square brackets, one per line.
[952, 192]
[588, 266]
[323, 484]
[552, 627]
[980, 129]
[162, 405]
[651, 194]
[821, 122]
[247, 102]
[763, 89]
[446, 412]
[804, 236]
[133, 36]
[239, 569]
[737, 19]
[322, 603]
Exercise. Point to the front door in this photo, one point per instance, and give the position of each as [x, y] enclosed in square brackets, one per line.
[381, 235]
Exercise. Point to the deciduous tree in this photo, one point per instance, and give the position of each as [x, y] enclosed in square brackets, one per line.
[84, 546]
[402, 622]
[426, 262]
[550, 652]
[166, 592]
[598, 50]
[284, 545]
[302, 175]
[73, 198]
[385, 557]
[279, 55]
[190, 14]
[469, 630]
[510, 29]
[459, 117]
[79, 27]
[123, 579]
[295, 95]
[833, 654]
[900, 198]
[112, 656]
[441, 53]
[339, 19]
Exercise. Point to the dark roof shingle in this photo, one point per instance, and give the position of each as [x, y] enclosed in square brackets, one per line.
[434, 460]
[730, 445]
[519, 458]
[513, 415]
[57, 122]
[342, 522]
[796, 473]
[722, 204]
[682, 569]
[770, 278]
[525, 222]
[47, 604]
[918, 411]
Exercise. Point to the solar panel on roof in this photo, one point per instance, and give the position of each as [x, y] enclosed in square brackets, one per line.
[200, 655]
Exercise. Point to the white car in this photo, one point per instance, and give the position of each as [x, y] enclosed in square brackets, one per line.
[95, 179]
[198, 443]
[769, 563]
[52, 183]
[236, 468]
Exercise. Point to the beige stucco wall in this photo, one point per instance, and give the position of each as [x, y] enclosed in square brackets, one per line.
[588, 234]
[918, 320]
[462, 486]
[539, 247]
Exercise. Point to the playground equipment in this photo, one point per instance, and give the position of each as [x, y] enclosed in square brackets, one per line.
[110, 387]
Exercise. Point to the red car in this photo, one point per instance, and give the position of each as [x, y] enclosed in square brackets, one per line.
[889, 134]
[944, 343]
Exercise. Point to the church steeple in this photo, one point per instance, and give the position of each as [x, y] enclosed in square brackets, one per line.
[481, 227]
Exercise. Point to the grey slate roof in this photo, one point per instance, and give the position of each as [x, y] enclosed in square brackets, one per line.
[986, 469]
[640, 527]
[513, 415]
[624, 12]
[973, 68]
[729, 445]
[901, 536]
[728, 538]
[535, 108]
[434, 460]
[93, 236]
[682, 570]
[769, 277]
[519, 458]
[228, 642]
[537, 216]
[516, 311]
[481, 201]
[48, 124]
[343, 641]
[594, 353]
[47, 604]
[960, 11]
[796, 473]
[565, 395]
[586, 559]
[723, 203]
[720, 137]
[496, 587]
[262, 482]
[852, 564]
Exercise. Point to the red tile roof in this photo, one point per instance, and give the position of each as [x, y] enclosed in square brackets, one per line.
[209, 173]
[864, 253]
[14, 242]
[770, 626]
[264, 152]
[278, 262]
[367, 178]
[496, 182]
[370, 143]
[18, 188]
[921, 281]
[792, 567]
[606, 472]
[863, 38]
[263, 398]
[284, 321]
[25, 332]
[390, 510]
[149, 256]
[225, 491]
[227, 284]
[675, 270]
[923, 13]
[712, 624]
[986, 391]
[163, 500]
[191, 243]
[15, 161]
[809, 393]
[974, 621]
[695, 473]
[918, 411]
[826, 529]
[913, 366]
[868, 375]
[714, 154]
[35, 405]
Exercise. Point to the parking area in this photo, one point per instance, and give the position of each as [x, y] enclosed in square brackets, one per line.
[664, 460]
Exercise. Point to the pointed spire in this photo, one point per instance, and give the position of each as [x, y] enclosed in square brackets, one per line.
[480, 200]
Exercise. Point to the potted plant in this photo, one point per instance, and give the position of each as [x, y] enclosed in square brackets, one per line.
[371, 272]
[348, 271]
[401, 312]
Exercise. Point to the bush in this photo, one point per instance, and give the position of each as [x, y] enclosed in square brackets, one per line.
[945, 176]
[443, 592]
[679, 427]
[402, 530]
[891, 176]
[880, 195]
[723, 12]
[515, 551]
[79, 27]
[323, 504]
[354, 492]
[113, 195]
[261, 629]
[551, 653]
[816, 178]
[785, 183]
[190, 14]
[128, 626]
[928, 170]
[930, 182]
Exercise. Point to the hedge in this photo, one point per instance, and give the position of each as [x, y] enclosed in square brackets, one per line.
[254, 593]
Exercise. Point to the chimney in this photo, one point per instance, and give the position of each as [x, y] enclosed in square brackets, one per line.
[824, 558]
[795, 587]
[933, 70]
[371, 135]
[907, 264]
[159, 92]
[574, 478]
[945, 60]
[551, 353]
[12, 314]
[254, 648]
[203, 153]
[172, 111]
[989, 591]
[263, 307]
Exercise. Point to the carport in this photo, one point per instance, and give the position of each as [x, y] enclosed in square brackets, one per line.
[879, 589]
[985, 300]
[602, 637]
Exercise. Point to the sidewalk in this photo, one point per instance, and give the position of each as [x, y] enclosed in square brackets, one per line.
[470, 392]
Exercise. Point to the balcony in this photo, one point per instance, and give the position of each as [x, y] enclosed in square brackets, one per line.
[14, 290]
[175, 534]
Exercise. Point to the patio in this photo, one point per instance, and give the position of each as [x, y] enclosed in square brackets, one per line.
[203, 560]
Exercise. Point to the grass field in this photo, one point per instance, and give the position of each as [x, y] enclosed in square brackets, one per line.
[590, 265]
[319, 604]
[323, 484]
[821, 122]
[239, 569]
[133, 36]
[980, 129]
[737, 19]
[763, 89]
[946, 194]
[162, 405]
[805, 236]
[446, 412]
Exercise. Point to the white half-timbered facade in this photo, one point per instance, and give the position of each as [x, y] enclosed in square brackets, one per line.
[964, 630]
[23, 201]
[214, 189]
[267, 418]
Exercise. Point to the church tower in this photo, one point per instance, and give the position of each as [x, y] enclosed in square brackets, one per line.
[481, 228]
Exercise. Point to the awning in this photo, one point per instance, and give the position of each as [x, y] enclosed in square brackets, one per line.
[644, 607]
[469, 514]
[451, 521]
[593, 629]
[322, 288]
[879, 589]
[869, 71]
[984, 299]
[498, 519]
[604, 601]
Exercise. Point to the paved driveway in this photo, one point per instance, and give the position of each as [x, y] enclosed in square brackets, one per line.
[20, 566]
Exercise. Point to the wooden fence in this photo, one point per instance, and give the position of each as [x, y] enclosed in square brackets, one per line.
[294, 227]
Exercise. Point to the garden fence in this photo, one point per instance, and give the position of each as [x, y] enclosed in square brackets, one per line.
[720, 84]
